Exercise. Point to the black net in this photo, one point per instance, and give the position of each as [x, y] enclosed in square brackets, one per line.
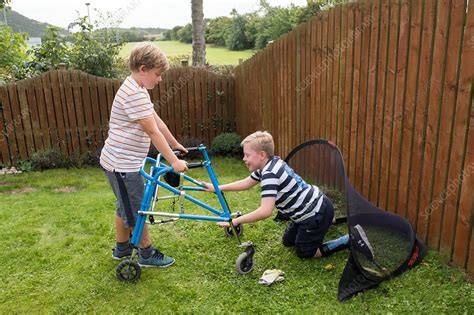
[319, 162]
[382, 244]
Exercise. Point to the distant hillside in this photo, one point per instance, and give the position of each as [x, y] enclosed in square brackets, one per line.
[20, 23]
[150, 30]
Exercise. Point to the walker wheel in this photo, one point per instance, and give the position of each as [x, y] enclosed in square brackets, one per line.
[128, 271]
[244, 263]
[229, 232]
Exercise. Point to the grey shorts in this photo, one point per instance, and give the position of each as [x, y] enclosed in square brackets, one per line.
[128, 189]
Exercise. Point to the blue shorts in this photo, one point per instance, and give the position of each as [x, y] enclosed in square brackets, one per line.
[128, 189]
[307, 236]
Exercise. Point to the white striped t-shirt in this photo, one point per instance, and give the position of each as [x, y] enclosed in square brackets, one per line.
[127, 143]
[295, 199]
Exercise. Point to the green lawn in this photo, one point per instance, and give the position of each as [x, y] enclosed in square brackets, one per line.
[57, 235]
[214, 55]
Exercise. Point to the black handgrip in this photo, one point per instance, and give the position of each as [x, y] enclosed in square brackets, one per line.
[195, 165]
[181, 153]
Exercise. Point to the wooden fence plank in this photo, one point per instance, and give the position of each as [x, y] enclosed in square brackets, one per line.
[54, 86]
[465, 103]
[418, 90]
[395, 122]
[26, 116]
[330, 117]
[79, 104]
[32, 106]
[450, 169]
[42, 112]
[7, 145]
[199, 131]
[104, 107]
[366, 27]
[17, 121]
[336, 81]
[347, 101]
[70, 111]
[97, 111]
[342, 80]
[356, 70]
[433, 116]
[379, 107]
[388, 104]
[371, 97]
[192, 102]
[88, 112]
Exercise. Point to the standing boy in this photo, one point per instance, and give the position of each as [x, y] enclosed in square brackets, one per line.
[133, 123]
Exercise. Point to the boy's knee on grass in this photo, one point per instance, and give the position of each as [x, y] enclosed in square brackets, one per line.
[305, 253]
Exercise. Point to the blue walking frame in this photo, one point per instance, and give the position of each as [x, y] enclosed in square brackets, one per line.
[129, 270]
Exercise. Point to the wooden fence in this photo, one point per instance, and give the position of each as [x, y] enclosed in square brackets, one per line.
[69, 110]
[391, 83]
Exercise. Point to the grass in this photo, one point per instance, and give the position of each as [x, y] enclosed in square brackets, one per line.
[214, 55]
[57, 233]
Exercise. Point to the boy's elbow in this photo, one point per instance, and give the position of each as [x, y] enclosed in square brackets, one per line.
[267, 212]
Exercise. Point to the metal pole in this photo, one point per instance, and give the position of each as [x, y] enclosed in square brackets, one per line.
[88, 13]
[5, 14]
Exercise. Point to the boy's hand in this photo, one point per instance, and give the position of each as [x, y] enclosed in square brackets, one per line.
[180, 147]
[179, 166]
[223, 224]
[227, 224]
[209, 187]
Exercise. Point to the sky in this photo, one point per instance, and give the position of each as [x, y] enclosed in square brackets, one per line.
[139, 13]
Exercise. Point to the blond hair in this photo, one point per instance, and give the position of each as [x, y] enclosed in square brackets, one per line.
[148, 55]
[260, 141]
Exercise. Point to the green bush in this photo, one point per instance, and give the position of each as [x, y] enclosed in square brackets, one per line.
[226, 144]
[49, 159]
[43, 160]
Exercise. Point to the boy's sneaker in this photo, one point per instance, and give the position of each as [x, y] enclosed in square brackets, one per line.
[361, 242]
[156, 259]
[119, 254]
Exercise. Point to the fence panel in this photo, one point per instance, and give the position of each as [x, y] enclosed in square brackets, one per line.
[390, 82]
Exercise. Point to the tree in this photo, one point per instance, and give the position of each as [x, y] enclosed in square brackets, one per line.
[51, 53]
[185, 34]
[236, 39]
[199, 40]
[12, 52]
[4, 3]
[96, 52]
[217, 30]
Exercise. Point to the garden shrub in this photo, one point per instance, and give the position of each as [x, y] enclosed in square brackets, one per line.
[227, 144]
[48, 159]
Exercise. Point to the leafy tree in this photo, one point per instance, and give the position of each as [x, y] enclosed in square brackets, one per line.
[167, 35]
[236, 38]
[4, 3]
[185, 34]
[174, 32]
[13, 52]
[217, 30]
[53, 51]
[96, 53]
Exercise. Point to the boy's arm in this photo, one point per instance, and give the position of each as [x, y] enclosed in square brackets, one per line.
[160, 143]
[239, 185]
[261, 213]
[167, 133]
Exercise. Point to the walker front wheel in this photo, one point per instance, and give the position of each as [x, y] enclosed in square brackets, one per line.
[128, 271]
[239, 229]
[244, 263]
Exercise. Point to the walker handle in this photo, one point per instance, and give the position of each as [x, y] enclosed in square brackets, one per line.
[195, 165]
